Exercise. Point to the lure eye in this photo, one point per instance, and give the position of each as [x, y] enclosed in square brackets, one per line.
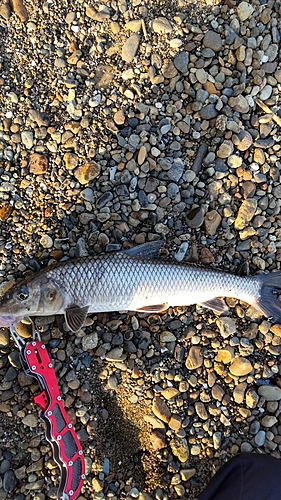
[23, 294]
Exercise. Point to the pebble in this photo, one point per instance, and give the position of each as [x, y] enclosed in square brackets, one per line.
[161, 410]
[270, 393]
[240, 367]
[212, 40]
[244, 11]
[194, 358]
[180, 449]
[130, 48]
[87, 172]
[212, 221]
[243, 140]
[161, 25]
[181, 61]
[27, 138]
[19, 8]
[226, 326]
[246, 212]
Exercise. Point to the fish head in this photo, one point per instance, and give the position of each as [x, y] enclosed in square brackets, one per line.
[35, 297]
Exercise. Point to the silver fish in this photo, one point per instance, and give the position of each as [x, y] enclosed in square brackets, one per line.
[132, 280]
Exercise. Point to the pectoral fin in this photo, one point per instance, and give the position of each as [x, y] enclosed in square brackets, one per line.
[75, 317]
[153, 309]
[217, 305]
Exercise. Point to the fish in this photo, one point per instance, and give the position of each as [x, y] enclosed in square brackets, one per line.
[136, 279]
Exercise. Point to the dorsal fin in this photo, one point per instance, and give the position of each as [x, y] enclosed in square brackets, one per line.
[148, 250]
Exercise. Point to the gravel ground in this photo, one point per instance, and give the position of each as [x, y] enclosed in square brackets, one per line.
[124, 122]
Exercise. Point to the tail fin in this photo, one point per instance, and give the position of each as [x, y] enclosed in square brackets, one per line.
[267, 302]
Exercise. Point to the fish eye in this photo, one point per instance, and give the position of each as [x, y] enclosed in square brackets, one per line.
[23, 293]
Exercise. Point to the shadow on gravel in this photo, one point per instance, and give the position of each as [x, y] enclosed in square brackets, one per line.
[120, 445]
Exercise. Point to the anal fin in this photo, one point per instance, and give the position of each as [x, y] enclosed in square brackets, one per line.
[154, 309]
[217, 305]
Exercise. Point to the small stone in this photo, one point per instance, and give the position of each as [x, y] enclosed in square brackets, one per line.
[234, 161]
[9, 481]
[87, 172]
[70, 160]
[201, 410]
[134, 25]
[187, 474]
[157, 440]
[265, 93]
[161, 25]
[195, 218]
[194, 359]
[270, 392]
[239, 392]
[169, 70]
[212, 221]
[30, 420]
[119, 117]
[206, 256]
[167, 337]
[212, 40]
[180, 449]
[225, 149]
[244, 11]
[239, 103]
[240, 367]
[5, 211]
[260, 438]
[269, 420]
[276, 330]
[226, 326]
[27, 139]
[19, 8]
[42, 119]
[225, 355]
[208, 112]
[248, 189]
[181, 61]
[5, 11]
[201, 75]
[151, 185]
[161, 410]
[142, 155]
[245, 213]
[38, 164]
[130, 48]
[169, 393]
[46, 241]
